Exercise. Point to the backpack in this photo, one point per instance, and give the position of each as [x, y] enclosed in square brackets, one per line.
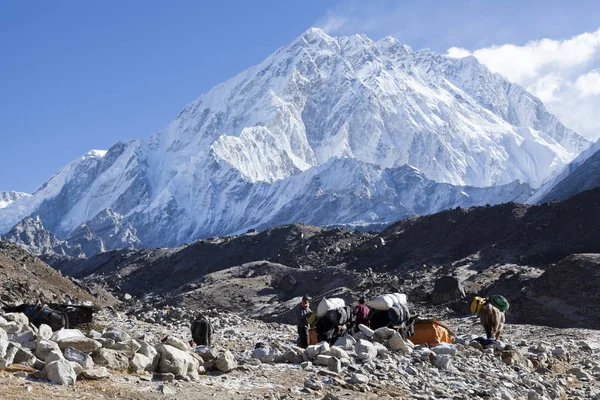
[477, 304]
[499, 302]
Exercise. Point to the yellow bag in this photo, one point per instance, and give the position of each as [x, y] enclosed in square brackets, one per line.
[477, 304]
[431, 332]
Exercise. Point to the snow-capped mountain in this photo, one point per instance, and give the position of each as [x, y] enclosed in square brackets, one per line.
[581, 174]
[8, 197]
[319, 132]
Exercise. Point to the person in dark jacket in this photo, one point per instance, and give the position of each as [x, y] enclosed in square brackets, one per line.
[202, 331]
[361, 313]
[303, 311]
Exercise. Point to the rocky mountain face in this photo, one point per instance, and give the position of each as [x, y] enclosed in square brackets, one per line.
[581, 174]
[8, 197]
[331, 131]
[107, 230]
[30, 234]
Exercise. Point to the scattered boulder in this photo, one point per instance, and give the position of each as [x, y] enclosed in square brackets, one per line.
[60, 372]
[111, 359]
[225, 362]
[365, 350]
[139, 363]
[172, 360]
[79, 357]
[150, 352]
[44, 347]
[81, 343]
[359, 378]
[96, 373]
[447, 288]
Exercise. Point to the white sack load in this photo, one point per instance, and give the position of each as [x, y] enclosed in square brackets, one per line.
[329, 304]
[400, 298]
[382, 303]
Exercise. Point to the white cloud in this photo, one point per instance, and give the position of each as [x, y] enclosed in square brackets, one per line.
[559, 72]
[589, 84]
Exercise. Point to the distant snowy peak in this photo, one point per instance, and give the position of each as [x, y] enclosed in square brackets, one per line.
[379, 102]
[325, 130]
[581, 174]
[8, 197]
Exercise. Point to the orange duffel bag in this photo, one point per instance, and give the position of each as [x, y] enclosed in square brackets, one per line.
[431, 332]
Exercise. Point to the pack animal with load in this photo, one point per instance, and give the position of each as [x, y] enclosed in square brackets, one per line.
[491, 314]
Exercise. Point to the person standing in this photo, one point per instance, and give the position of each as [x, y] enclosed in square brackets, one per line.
[303, 311]
[202, 331]
[361, 313]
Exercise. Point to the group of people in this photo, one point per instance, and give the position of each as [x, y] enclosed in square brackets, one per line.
[397, 316]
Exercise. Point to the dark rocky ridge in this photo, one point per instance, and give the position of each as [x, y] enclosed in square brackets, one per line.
[503, 248]
[24, 279]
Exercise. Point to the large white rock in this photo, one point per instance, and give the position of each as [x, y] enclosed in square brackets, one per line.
[96, 373]
[396, 343]
[444, 348]
[365, 350]
[112, 359]
[8, 351]
[226, 362]
[54, 355]
[150, 352]
[316, 349]
[60, 372]
[178, 343]
[65, 334]
[359, 378]
[24, 357]
[139, 363]
[172, 360]
[81, 343]
[3, 335]
[338, 352]
[384, 333]
[44, 332]
[368, 332]
[44, 347]
[17, 317]
[345, 342]
[79, 357]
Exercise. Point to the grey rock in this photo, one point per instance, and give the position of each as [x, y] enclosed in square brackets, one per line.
[365, 350]
[24, 357]
[96, 373]
[79, 357]
[44, 347]
[359, 378]
[225, 362]
[111, 359]
[82, 343]
[139, 363]
[150, 352]
[313, 384]
[447, 288]
[60, 372]
[335, 365]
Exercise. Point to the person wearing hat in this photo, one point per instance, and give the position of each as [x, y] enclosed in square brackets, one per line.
[361, 313]
[303, 311]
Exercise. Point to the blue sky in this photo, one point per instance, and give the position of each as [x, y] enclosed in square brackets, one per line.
[81, 75]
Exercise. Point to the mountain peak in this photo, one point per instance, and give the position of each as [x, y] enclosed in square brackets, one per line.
[260, 148]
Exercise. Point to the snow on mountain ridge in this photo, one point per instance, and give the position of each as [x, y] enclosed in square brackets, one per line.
[8, 197]
[252, 150]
